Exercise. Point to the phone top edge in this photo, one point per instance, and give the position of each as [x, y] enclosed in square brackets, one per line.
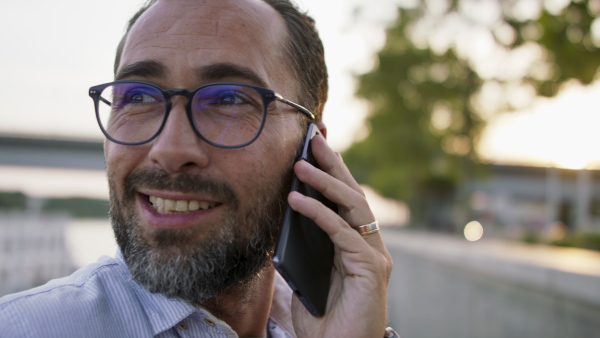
[312, 131]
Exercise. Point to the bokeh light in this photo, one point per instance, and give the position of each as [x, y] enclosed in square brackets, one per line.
[473, 231]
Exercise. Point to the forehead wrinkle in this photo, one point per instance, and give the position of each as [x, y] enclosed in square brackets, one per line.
[229, 24]
[240, 14]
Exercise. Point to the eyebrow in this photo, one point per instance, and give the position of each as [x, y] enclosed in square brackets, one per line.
[143, 69]
[219, 71]
[214, 72]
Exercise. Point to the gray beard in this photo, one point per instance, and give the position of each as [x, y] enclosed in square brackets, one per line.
[174, 262]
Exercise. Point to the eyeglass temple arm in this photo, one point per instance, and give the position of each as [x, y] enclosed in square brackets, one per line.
[297, 106]
[104, 100]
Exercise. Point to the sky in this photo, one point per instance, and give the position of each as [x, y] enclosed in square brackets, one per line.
[53, 51]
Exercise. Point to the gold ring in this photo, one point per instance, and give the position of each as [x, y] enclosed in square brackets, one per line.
[368, 229]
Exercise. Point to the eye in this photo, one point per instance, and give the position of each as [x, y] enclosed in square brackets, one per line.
[140, 95]
[128, 95]
[228, 98]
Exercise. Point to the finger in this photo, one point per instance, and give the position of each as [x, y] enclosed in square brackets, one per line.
[340, 233]
[352, 205]
[338, 230]
[358, 253]
[331, 162]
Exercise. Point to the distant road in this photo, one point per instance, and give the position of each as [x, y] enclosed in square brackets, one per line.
[444, 286]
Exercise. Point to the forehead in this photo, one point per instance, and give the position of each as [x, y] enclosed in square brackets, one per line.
[187, 34]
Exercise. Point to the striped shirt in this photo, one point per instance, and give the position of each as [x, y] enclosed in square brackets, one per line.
[102, 300]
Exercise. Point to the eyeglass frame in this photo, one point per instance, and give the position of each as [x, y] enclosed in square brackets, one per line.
[268, 96]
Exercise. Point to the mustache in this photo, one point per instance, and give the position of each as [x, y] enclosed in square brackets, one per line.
[183, 182]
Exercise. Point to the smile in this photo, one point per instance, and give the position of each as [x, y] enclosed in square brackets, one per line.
[168, 206]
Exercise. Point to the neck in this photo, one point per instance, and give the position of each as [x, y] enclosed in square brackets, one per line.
[246, 309]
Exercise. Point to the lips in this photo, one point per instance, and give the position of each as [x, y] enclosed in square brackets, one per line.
[173, 206]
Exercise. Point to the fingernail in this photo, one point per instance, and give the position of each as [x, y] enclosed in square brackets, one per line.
[305, 162]
[297, 194]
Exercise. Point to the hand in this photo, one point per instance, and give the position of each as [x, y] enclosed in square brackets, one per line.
[356, 306]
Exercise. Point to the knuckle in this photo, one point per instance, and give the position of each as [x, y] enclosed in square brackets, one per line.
[327, 188]
[362, 199]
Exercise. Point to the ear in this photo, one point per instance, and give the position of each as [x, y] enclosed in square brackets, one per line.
[322, 128]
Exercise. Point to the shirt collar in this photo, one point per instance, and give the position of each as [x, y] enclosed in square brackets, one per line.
[163, 312]
[281, 308]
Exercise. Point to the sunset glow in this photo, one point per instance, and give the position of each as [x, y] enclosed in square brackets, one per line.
[559, 132]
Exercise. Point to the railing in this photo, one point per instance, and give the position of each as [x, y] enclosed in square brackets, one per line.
[32, 250]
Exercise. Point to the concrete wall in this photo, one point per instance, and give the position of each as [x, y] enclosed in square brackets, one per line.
[447, 287]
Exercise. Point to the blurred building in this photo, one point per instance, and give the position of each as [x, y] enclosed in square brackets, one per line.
[514, 200]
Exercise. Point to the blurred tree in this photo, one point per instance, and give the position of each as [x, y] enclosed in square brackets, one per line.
[446, 67]
[12, 201]
[77, 207]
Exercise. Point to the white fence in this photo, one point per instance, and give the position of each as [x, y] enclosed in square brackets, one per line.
[32, 250]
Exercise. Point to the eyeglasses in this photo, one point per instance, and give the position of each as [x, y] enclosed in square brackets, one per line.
[223, 114]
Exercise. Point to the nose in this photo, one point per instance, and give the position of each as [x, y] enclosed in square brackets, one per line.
[178, 148]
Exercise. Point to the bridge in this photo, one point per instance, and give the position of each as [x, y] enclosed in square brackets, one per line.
[45, 167]
[53, 153]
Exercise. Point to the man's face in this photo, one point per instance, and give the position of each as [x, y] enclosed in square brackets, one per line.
[190, 218]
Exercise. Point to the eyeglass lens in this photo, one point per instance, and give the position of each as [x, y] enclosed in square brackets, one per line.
[223, 114]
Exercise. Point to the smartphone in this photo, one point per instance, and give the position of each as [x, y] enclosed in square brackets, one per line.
[304, 253]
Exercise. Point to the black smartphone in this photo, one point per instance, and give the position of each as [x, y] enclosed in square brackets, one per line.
[304, 254]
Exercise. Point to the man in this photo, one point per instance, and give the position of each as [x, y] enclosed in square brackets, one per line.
[198, 181]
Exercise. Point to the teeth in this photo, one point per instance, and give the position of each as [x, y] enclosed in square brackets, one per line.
[181, 206]
[169, 205]
[163, 205]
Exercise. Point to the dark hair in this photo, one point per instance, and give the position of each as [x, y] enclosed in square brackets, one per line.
[304, 48]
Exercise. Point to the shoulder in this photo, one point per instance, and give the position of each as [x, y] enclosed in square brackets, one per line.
[73, 304]
[83, 280]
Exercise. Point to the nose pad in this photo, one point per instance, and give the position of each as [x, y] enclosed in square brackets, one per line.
[178, 146]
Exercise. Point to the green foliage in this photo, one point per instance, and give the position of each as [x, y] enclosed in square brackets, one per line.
[427, 106]
[531, 237]
[12, 201]
[583, 241]
[568, 41]
[77, 207]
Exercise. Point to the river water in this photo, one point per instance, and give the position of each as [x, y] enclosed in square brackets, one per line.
[87, 240]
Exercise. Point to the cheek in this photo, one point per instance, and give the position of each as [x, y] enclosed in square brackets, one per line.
[120, 161]
[266, 161]
[281, 135]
